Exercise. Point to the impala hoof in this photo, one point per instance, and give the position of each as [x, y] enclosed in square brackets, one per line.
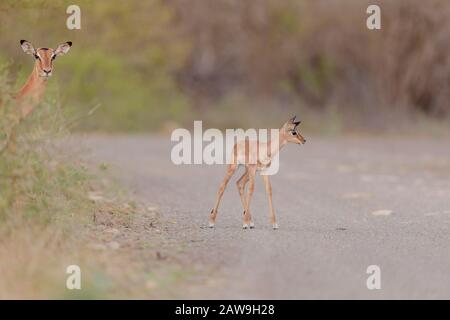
[252, 225]
[275, 226]
[211, 225]
[245, 226]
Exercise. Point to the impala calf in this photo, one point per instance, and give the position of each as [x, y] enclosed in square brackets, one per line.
[242, 152]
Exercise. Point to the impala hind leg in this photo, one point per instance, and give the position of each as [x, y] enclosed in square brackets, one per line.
[273, 220]
[251, 188]
[242, 181]
[230, 171]
[241, 188]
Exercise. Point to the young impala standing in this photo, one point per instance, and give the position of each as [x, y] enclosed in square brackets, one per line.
[245, 150]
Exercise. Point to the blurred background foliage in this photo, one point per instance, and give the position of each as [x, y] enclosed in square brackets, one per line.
[153, 65]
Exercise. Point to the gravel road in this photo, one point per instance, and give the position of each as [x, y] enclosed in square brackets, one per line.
[342, 204]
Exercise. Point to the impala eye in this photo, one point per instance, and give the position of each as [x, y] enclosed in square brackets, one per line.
[37, 57]
[53, 57]
[294, 133]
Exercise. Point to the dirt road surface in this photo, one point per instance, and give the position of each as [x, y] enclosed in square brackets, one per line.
[342, 204]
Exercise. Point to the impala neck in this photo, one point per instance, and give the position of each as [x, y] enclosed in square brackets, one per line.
[276, 147]
[32, 91]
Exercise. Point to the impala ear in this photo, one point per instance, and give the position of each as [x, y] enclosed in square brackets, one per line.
[27, 47]
[63, 48]
[293, 122]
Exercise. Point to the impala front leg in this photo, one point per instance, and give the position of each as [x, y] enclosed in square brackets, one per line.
[212, 217]
[273, 220]
[251, 188]
[241, 188]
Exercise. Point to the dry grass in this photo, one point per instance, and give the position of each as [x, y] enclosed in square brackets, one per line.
[47, 212]
[57, 211]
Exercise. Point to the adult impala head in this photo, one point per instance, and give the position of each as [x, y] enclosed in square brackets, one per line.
[291, 131]
[44, 57]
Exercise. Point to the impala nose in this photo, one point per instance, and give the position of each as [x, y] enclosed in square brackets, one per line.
[47, 71]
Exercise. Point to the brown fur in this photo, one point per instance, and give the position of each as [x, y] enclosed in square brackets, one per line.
[33, 90]
[249, 151]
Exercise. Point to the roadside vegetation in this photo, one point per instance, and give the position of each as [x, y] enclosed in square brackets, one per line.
[153, 65]
[49, 209]
[56, 211]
